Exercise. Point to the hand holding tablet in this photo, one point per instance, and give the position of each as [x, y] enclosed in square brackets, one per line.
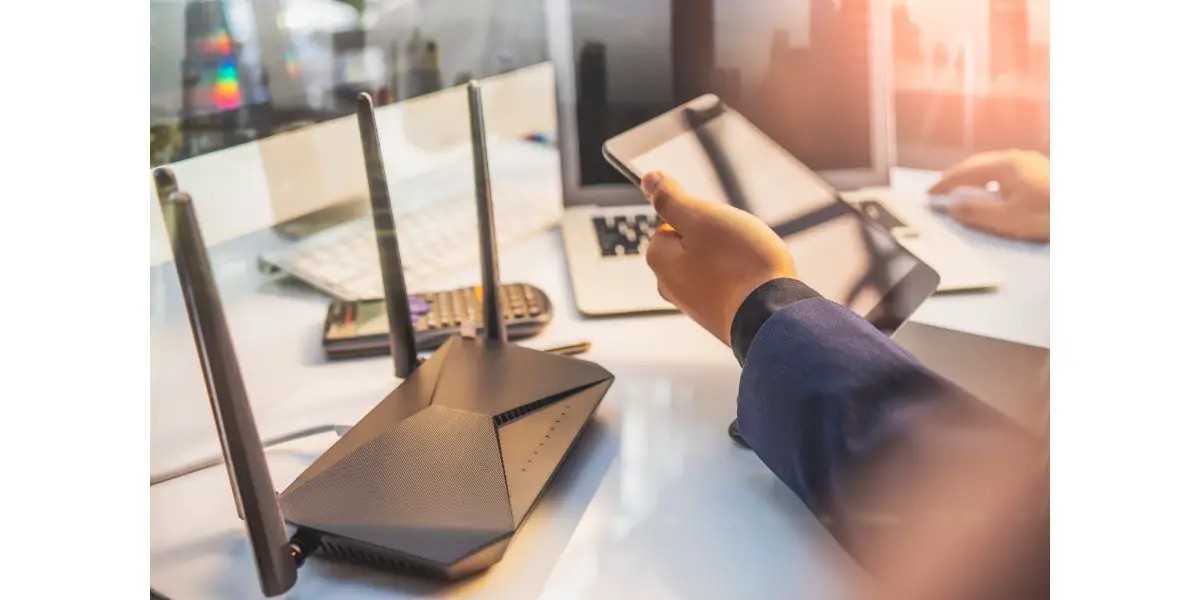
[758, 202]
[712, 257]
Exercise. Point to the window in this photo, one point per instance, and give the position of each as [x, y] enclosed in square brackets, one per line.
[970, 76]
[227, 72]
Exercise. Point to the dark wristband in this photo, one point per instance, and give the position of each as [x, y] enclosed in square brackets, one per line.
[763, 302]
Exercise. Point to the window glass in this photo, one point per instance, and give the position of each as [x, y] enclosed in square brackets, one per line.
[226, 72]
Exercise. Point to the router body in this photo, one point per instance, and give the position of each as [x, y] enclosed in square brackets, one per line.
[438, 477]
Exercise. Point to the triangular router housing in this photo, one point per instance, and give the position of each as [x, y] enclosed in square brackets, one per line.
[439, 475]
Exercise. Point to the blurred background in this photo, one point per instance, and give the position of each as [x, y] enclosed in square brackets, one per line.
[225, 72]
[969, 75]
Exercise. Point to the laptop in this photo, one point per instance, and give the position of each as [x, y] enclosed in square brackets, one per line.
[833, 113]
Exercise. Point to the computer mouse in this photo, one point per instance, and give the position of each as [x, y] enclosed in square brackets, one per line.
[961, 193]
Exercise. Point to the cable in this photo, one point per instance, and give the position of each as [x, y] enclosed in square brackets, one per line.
[303, 543]
[340, 430]
[213, 461]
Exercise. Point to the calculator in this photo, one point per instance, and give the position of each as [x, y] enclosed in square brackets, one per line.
[359, 328]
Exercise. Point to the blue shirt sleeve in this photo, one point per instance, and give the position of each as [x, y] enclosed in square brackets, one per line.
[759, 306]
[825, 398]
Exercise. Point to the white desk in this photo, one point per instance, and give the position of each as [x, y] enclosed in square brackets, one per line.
[655, 502]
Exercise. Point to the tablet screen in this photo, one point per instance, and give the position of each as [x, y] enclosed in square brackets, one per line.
[717, 154]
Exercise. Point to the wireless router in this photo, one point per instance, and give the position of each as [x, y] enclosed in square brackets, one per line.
[437, 478]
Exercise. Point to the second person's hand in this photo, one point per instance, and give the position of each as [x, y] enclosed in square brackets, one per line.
[1023, 211]
[711, 256]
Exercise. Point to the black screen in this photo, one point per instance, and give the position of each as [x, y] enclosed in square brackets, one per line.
[799, 71]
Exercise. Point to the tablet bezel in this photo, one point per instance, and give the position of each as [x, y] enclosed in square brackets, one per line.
[896, 306]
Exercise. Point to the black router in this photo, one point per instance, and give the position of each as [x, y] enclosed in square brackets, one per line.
[437, 478]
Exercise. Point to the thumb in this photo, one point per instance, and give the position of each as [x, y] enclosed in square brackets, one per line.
[1005, 219]
[673, 203]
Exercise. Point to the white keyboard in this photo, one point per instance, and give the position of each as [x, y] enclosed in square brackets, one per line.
[438, 231]
[343, 261]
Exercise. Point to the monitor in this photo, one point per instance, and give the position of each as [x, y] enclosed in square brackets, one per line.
[812, 75]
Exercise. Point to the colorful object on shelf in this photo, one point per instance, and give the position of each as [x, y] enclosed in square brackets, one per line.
[291, 63]
[219, 43]
[225, 92]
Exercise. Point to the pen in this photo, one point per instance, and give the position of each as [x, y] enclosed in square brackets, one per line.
[571, 349]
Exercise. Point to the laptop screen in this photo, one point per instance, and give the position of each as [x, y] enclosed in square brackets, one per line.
[799, 71]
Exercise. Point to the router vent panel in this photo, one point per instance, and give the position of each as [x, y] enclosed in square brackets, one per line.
[534, 445]
[373, 558]
[516, 413]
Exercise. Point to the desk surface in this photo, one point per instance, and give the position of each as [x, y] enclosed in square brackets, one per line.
[655, 502]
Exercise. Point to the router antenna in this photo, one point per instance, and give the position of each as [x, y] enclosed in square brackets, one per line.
[165, 183]
[274, 555]
[395, 291]
[493, 326]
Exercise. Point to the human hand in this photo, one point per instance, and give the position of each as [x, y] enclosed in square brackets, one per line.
[710, 256]
[1023, 211]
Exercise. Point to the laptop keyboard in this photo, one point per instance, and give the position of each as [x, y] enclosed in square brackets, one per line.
[624, 235]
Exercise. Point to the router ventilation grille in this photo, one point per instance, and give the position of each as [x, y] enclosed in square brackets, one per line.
[369, 558]
[521, 411]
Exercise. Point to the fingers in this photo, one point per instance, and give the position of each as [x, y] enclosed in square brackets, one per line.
[988, 215]
[673, 203]
[665, 249]
[978, 170]
[663, 256]
[665, 294]
[978, 213]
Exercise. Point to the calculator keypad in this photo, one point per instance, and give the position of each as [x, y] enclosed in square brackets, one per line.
[443, 310]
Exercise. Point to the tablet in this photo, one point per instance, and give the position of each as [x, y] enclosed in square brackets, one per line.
[717, 154]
